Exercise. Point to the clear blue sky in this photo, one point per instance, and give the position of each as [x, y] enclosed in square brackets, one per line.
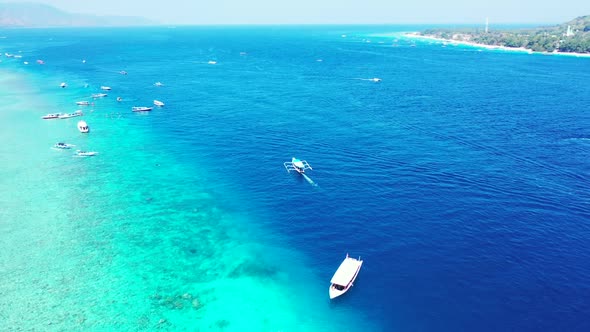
[331, 11]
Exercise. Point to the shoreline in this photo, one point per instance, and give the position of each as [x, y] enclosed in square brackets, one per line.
[416, 35]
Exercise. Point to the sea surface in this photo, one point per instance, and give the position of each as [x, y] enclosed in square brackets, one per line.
[461, 179]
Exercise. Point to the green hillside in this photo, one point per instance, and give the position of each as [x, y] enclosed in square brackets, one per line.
[541, 39]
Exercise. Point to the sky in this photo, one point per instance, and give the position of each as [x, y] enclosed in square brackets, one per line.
[331, 11]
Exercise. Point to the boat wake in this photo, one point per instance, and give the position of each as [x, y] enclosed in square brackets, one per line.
[309, 180]
[374, 79]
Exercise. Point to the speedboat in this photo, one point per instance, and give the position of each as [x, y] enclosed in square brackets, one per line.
[212, 62]
[122, 72]
[376, 79]
[63, 85]
[99, 95]
[119, 99]
[83, 103]
[158, 84]
[106, 88]
[71, 115]
[344, 276]
[51, 116]
[158, 103]
[296, 165]
[86, 153]
[41, 62]
[141, 109]
[62, 145]
[83, 127]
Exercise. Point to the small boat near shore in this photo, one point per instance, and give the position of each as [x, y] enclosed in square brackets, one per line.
[158, 84]
[81, 153]
[119, 99]
[83, 127]
[83, 103]
[63, 85]
[158, 103]
[63, 146]
[51, 116]
[344, 276]
[71, 115]
[99, 95]
[105, 88]
[141, 109]
[296, 165]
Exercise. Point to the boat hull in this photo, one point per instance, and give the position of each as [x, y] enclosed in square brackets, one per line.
[336, 290]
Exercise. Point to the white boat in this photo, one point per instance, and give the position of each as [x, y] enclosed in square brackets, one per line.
[141, 109]
[71, 115]
[105, 88]
[212, 62]
[83, 127]
[86, 153]
[296, 165]
[158, 84]
[122, 72]
[158, 103]
[83, 103]
[63, 85]
[99, 95]
[62, 145]
[344, 276]
[376, 79]
[51, 116]
[119, 99]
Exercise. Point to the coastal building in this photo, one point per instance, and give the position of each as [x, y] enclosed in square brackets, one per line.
[569, 31]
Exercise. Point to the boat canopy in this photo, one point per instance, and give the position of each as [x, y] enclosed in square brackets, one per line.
[346, 271]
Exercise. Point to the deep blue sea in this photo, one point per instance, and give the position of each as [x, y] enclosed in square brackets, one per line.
[461, 179]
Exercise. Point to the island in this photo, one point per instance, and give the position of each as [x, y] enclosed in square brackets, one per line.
[570, 37]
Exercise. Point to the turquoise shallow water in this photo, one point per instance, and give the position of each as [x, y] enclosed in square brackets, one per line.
[460, 179]
[131, 239]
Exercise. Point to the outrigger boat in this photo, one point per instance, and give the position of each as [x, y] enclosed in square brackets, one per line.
[71, 115]
[296, 165]
[344, 276]
[62, 145]
[141, 109]
[51, 116]
[86, 153]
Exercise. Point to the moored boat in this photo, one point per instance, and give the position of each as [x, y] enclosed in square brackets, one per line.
[63, 146]
[106, 88]
[99, 95]
[71, 115]
[344, 276]
[51, 116]
[158, 103]
[141, 109]
[83, 103]
[86, 153]
[83, 127]
[158, 84]
[63, 85]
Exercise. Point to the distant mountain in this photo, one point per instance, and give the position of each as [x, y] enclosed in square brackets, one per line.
[40, 15]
